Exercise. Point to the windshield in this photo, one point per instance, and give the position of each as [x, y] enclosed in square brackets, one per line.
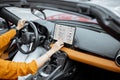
[56, 15]
[25, 13]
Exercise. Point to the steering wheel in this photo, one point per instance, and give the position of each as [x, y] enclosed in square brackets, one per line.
[30, 39]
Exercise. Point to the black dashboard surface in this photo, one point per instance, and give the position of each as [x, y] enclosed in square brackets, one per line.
[98, 43]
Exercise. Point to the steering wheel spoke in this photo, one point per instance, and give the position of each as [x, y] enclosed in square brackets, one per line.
[31, 45]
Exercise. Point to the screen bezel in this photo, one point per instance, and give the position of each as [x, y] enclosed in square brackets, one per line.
[65, 26]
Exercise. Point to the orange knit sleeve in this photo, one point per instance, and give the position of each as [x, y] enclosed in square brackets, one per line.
[6, 37]
[11, 70]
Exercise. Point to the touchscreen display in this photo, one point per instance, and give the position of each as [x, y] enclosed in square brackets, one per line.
[64, 33]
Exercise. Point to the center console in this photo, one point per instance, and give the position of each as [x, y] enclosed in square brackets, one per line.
[58, 68]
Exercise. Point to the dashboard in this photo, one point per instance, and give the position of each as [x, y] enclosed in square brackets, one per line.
[93, 47]
[97, 42]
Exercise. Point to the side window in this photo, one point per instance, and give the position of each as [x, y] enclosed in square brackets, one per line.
[3, 24]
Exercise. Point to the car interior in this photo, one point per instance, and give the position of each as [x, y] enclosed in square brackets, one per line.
[89, 52]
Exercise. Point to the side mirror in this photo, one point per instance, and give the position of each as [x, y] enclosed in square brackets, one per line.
[3, 24]
[38, 12]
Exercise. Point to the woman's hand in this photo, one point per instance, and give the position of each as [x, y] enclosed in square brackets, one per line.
[20, 24]
[58, 45]
[44, 58]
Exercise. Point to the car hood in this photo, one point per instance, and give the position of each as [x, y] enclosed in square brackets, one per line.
[106, 12]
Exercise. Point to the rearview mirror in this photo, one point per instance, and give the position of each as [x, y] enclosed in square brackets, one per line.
[38, 13]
